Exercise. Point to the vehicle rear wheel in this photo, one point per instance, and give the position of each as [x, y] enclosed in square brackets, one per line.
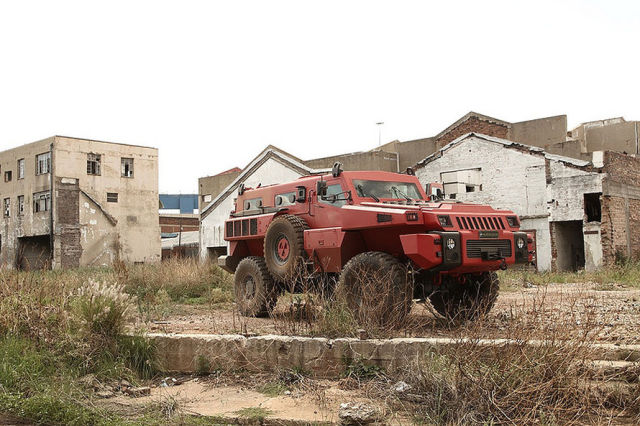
[284, 247]
[255, 292]
[377, 289]
[466, 299]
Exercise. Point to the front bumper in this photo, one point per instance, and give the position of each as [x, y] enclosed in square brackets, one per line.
[466, 251]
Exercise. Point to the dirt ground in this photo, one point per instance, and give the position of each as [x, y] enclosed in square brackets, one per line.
[611, 313]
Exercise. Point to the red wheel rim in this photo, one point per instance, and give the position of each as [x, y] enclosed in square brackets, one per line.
[282, 249]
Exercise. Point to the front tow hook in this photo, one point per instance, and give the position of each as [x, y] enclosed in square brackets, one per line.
[503, 265]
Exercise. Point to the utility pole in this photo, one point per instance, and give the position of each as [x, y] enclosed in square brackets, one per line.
[379, 124]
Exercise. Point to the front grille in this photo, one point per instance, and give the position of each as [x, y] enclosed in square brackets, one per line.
[476, 247]
[480, 222]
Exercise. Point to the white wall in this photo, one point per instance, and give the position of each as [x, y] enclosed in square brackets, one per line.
[271, 172]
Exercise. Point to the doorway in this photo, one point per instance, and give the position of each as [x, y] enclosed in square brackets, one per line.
[569, 242]
[34, 253]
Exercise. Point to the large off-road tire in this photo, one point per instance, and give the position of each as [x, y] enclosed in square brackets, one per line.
[377, 289]
[284, 247]
[255, 292]
[469, 299]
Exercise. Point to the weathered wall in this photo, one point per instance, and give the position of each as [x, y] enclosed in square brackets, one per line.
[174, 223]
[370, 160]
[127, 229]
[539, 132]
[213, 185]
[28, 223]
[67, 245]
[621, 207]
[621, 137]
[409, 152]
[212, 221]
[475, 125]
[571, 148]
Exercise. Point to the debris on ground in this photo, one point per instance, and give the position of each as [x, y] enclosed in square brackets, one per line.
[401, 387]
[138, 392]
[357, 413]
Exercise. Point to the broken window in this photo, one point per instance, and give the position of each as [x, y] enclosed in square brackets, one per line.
[112, 197]
[7, 176]
[43, 163]
[93, 164]
[41, 201]
[20, 205]
[7, 207]
[592, 207]
[21, 168]
[127, 167]
[461, 181]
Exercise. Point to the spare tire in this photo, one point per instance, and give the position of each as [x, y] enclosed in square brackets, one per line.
[284, 247]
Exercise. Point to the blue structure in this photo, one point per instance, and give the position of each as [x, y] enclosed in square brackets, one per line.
[186, 203]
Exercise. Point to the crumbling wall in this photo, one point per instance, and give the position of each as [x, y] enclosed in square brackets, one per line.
[540, 132]
[620, 207]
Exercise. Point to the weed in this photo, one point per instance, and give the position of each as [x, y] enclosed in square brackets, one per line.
[273, 388]
[254, 413]
[203, 365]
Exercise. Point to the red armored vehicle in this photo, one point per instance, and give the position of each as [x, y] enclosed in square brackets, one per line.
[360, 224]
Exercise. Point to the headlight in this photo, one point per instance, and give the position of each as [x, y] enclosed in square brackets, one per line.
[513, 221]
[520, 242]
[445, 221]
[451, 243]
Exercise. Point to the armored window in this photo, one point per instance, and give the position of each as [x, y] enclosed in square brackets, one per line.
[335, 196]
[126, 165]
[41, 201]
[112, 197]
[93, 164]
[20, 205]
[7, 176]
[21, 168]
[7, 207]
[43, 163]
[286, 199]
[253, 204]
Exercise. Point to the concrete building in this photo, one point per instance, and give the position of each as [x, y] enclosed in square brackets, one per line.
[271, 166]
[583, 214]
[70, 202]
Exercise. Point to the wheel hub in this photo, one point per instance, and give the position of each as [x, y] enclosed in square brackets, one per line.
[282, 249]
[249, 287]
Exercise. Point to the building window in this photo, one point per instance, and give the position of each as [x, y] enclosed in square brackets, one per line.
[127, 167]
[21, 168]
[461, 181]
[7, 207]
[41, 201]
[93, 164]
[43, 163]
[592, 207]
[112, 197]
[20, 205]
[7, 176]
[206, 198]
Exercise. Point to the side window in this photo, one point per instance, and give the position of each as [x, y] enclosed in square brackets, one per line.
[335, 189]
[286, 199]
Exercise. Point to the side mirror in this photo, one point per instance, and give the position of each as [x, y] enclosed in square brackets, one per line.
[301, 194]
[321, 188]
[336, 169]
[241, 189]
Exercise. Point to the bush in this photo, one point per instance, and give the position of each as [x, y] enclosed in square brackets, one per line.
[102, 308]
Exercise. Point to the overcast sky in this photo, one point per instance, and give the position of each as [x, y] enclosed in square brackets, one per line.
[211, 83]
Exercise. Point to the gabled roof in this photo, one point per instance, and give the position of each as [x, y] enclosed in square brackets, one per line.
[528, 149]
[469, 115]
[270, 152]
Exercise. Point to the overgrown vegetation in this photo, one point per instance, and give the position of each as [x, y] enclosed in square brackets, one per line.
[624, 273]
[59, 327]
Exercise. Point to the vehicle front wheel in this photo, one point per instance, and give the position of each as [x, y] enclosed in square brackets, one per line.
[255, 292]
[466, 298]
[377, 289]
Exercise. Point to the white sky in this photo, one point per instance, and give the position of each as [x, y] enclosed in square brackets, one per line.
[211, 83]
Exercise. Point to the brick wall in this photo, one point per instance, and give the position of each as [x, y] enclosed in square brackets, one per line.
[67, 205]
[170, 224]
[620, 227]
[473, 124]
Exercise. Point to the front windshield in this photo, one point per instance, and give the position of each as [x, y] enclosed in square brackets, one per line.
[377, 189]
